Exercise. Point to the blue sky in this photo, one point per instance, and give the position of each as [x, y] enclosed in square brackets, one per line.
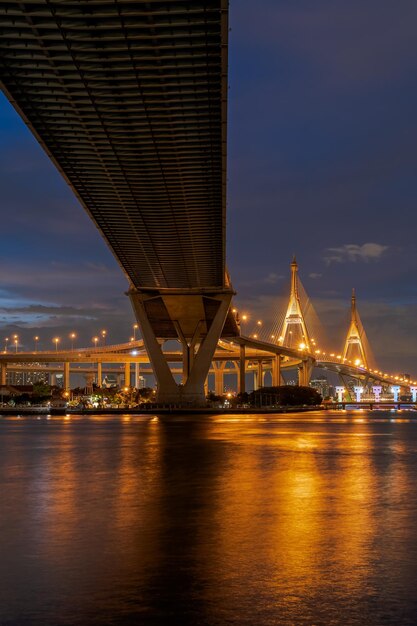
[322, 163]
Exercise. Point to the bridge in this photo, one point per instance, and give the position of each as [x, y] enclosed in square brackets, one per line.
[292, 349]
[129, 100]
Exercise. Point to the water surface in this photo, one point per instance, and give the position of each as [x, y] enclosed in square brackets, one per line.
[211, 520]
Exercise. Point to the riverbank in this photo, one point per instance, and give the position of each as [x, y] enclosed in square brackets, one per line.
[155, 410]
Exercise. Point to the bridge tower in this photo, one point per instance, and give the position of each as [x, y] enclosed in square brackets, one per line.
[354, 348]
[294, 332]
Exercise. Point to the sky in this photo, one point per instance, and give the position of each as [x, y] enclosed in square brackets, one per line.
[321, 163]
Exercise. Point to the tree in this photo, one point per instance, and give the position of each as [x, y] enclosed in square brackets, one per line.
[285, 395]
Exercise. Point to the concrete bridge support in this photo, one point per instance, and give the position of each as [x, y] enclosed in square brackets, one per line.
[305, 370]
[3, 374]
[276, 370]
[219, 378]
[182, 312]
[99, 374]
[67, 384]
[127, 375]
[242, 370]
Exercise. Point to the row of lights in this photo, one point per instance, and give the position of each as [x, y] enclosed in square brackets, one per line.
[56, 340]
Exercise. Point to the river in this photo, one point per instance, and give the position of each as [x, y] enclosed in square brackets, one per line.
[209, 520]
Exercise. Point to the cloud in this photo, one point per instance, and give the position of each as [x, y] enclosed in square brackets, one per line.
[272, 278]
[353, 252]
[314, 275]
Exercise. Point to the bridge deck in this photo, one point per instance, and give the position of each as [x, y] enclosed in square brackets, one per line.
[129, 100]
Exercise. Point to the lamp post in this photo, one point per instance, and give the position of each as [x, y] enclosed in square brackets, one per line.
[36, 340]
[103, 335]
[16, 343]
[56, 342]
[135, 327]
[72, 337]
[95, 341]
[6, 341]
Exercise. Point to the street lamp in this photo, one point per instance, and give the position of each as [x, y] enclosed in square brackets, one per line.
[36, 340]
[16, 341]
[72, 337]
[135, 327]
[95, 341]
[5, 343]
[103, 334]
[56, 342]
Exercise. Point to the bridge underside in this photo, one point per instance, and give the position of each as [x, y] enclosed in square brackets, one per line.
[129, 99]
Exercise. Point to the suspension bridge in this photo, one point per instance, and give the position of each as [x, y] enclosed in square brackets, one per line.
[288, 346]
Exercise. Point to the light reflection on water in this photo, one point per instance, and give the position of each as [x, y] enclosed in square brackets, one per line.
[291, 519]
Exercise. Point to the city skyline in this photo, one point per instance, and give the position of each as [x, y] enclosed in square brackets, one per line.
[328, 181]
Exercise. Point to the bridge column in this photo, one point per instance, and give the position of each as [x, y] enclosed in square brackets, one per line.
[276, 370]
[127, 375]
[259, 376]
[219, 378]
[339, 392]
[304, 372]
[3, 374]
[137, 376]
[53, 379]
[376, 390]
[67, 385]
[99, 374]
[396, 391]
[185, 309]
[358, 392]
[242, 370]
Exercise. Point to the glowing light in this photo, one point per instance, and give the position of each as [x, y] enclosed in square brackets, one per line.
[302, 346]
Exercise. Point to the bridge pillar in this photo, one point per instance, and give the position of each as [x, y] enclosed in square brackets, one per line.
[358, 392]
[3, 374]
[242, 370]
[339, 392]
[137, 376]
[259, 376]
[127, 375]
[396, 391]
[276, 370]
[219, 378]
[99, 374]
[53, 379]
[376, 390]
[304, 372]
[67, 385]
[182, 312]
